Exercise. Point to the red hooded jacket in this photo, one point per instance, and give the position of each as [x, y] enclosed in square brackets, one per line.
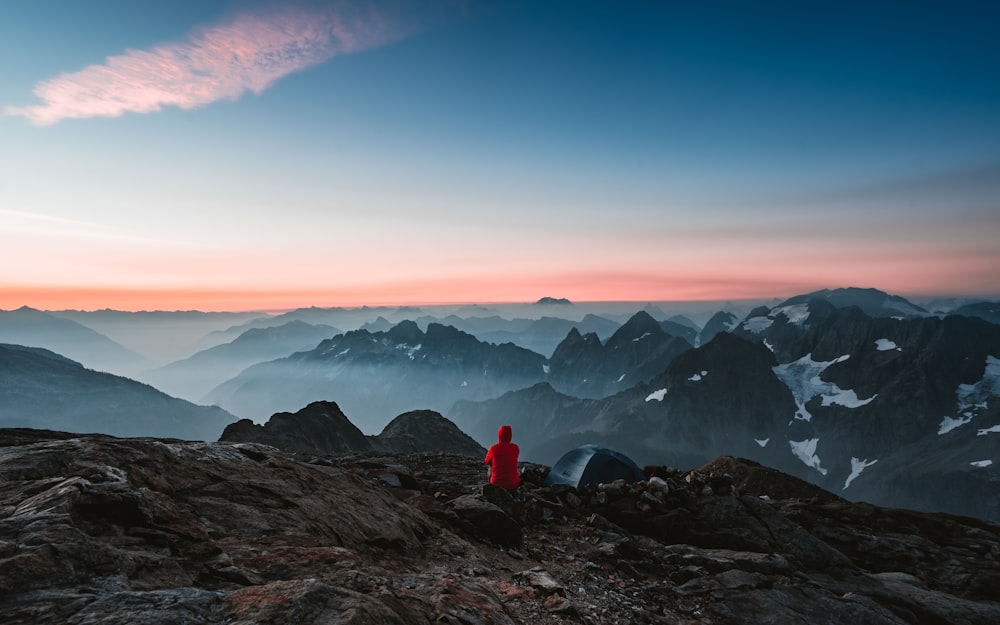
[502, 459]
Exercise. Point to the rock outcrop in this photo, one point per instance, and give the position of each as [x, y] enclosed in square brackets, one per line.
[322, 428]
[98, 529]
[423, 431]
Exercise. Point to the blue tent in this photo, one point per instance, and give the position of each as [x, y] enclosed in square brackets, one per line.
[593, 464]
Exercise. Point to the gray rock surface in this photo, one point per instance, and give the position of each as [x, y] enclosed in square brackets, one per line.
[95, 529]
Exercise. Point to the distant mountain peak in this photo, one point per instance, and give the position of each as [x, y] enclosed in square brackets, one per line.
[406, 331]
[872, 302]
[561, 301]
[640, 324]
[654, 311]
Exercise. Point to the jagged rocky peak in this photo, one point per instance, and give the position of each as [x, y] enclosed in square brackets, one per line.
[405, 332]
[444, 334]
[319, 427]
[639, 325]
[426, 431]
[380, 324]
[576, 341]
[722, 321]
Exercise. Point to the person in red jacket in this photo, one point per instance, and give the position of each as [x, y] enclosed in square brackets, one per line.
[502, 458]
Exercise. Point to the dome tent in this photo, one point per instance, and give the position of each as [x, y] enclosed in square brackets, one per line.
[592, 464]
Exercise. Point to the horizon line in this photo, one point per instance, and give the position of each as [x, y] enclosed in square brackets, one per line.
[498, 303]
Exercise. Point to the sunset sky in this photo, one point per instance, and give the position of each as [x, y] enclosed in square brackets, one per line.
[272, 155]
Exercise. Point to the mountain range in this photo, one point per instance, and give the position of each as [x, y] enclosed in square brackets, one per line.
[34, 328]
[375, 376]
[855, 390]
[899, 411]
[42, 389]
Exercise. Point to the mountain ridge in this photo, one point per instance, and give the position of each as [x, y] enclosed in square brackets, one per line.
[41, 389]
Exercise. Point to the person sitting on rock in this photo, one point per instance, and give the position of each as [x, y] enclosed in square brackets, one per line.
[502, 460]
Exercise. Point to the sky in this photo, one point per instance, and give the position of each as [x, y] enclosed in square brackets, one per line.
[221, 155]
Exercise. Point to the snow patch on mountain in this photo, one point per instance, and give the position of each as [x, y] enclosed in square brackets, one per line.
[846, 398]
[762, 441]
[948, 424]
[698, 376]
[981, 463]
[802, 377]
[806, 452]
[657, 395]
[756, 325]
[993, 430]
[410, 350]
[796, 313]
[884, 345]
[857, 467]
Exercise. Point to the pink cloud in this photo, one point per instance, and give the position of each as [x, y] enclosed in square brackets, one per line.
[219, 62]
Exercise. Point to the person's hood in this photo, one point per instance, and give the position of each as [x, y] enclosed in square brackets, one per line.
[504, 434]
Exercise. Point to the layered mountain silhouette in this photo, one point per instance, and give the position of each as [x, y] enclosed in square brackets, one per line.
[196, 375]
[989, 311]
[160, 336]
[375, 376]
[34, 328]
[541, 335]
[41, 389]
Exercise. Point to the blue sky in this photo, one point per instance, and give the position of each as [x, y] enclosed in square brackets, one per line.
[442, 152]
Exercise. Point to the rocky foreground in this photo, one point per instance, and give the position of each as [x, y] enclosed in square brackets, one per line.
[95, 529]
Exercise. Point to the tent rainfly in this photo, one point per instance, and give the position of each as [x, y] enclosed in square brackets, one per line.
[593, 464]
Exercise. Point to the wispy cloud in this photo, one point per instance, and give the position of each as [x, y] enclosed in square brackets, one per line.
[218, 62]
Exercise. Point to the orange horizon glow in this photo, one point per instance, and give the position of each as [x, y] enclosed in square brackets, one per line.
[266, 300]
